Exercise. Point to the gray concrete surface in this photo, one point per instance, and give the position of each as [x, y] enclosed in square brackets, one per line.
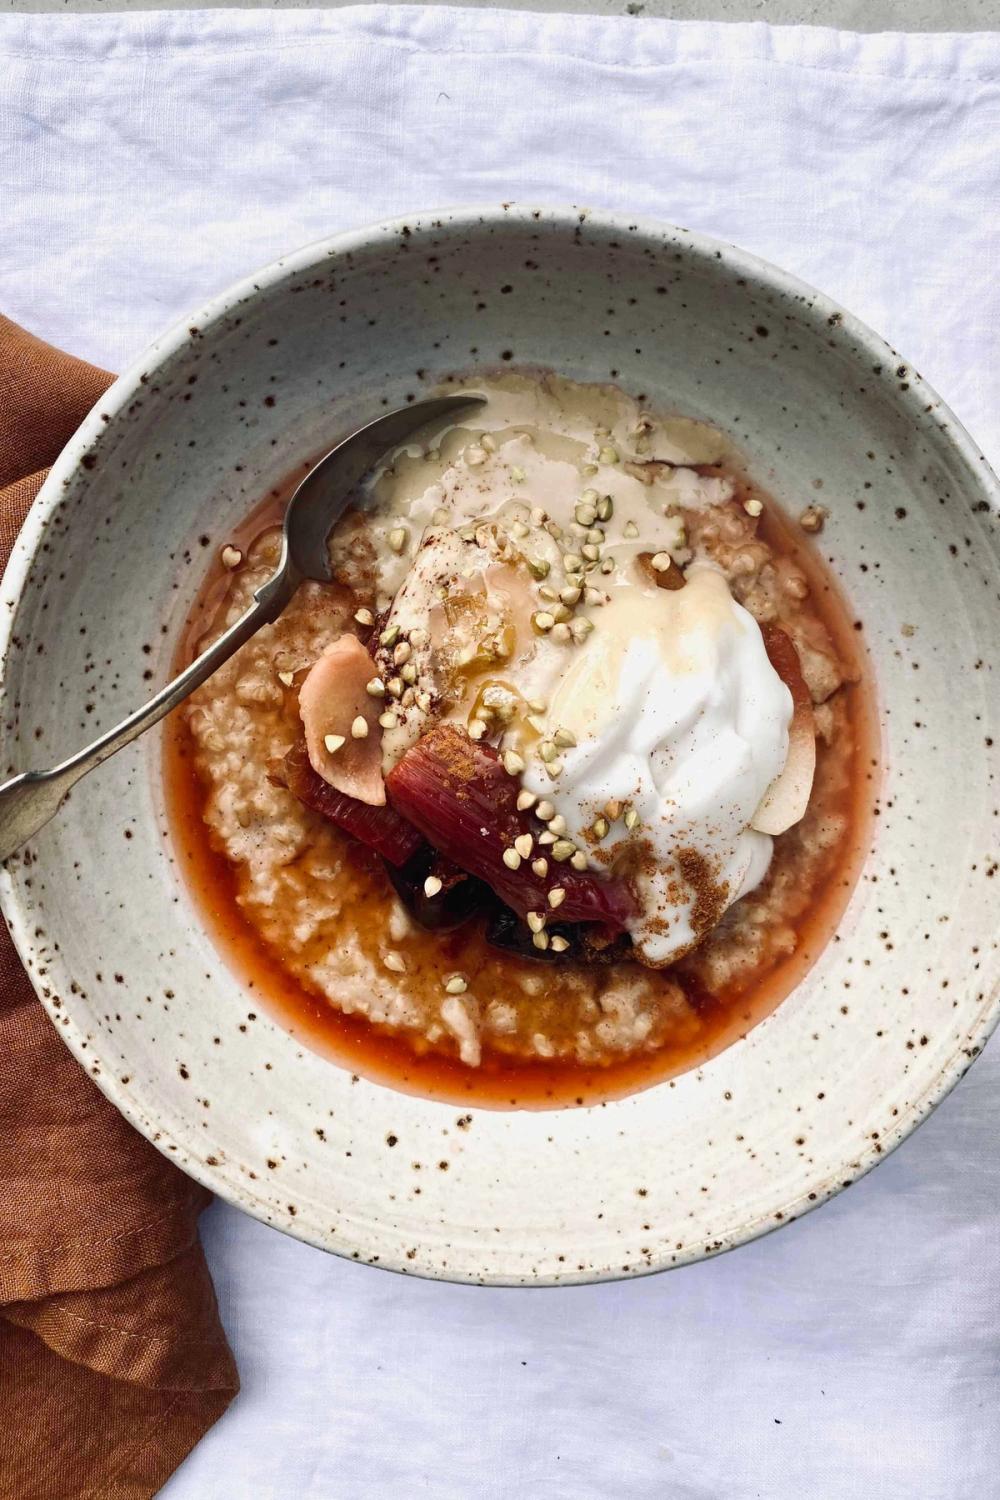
[856, 15]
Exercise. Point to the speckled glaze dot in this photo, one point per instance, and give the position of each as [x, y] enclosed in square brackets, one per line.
[219, 412]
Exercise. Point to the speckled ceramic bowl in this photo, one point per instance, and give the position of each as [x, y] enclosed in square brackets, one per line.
[227, 403]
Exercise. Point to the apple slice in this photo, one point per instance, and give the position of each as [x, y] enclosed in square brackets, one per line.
[787, 798]
[334, 704]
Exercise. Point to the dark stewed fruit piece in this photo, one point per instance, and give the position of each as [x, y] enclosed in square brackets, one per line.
[460, 896]
[588, 942]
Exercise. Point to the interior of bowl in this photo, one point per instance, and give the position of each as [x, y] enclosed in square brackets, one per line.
[228, 405]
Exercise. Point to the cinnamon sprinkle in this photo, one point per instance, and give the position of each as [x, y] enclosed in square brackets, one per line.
[710, 894]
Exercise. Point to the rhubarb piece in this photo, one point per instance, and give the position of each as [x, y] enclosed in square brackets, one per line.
[381, 828]
[463, 801]
[787, 798]
[340, 719]
[459, 897]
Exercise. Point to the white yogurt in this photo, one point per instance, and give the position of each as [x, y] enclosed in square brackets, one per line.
[678, 714]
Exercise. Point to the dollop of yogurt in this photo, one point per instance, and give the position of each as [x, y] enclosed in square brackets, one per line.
[680, 725]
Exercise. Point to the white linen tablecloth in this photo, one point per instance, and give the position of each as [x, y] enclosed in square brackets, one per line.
[146, 161]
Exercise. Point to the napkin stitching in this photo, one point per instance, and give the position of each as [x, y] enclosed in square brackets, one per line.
[127, 1234]
[125, 1333]
[312, 44]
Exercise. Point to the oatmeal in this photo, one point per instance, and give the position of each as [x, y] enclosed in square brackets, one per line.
[562, 771]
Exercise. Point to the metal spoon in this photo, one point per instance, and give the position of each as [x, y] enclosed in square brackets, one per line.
[29, 800]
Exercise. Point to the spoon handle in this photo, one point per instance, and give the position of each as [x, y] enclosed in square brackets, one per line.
[29, 800]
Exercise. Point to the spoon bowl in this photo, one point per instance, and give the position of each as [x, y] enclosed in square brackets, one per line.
[321, 498]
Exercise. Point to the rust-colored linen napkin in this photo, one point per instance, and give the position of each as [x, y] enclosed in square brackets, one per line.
[113, 1362]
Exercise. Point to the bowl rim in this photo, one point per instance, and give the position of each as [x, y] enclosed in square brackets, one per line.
[918, 400]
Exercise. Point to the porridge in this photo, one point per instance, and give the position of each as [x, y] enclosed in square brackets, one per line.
[561, 785]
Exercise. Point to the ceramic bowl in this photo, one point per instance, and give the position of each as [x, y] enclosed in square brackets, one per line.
[229, 402]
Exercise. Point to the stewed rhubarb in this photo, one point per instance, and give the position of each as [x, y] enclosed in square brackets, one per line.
[457, 793]
[381, 828]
